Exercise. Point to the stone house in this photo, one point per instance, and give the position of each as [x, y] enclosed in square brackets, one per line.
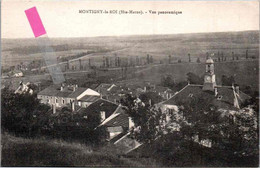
[60, 96]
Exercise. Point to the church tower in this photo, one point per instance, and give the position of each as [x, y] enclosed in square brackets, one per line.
[209, 78]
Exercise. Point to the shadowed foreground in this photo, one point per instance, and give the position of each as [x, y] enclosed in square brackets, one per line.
[17, 151]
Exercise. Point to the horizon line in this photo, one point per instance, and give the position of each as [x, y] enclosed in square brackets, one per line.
[129, 35]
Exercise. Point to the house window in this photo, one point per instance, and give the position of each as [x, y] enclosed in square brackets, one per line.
[56, 100]
[63, 101]
[170, 111]
[219, 97]
[48, 101]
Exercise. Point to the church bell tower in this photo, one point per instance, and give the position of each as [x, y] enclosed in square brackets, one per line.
[209, 78]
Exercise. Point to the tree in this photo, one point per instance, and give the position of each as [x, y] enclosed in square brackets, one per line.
[208, 135]
[227, 81]
[80, 65]
[194, 79]
[20, 112]
[167, 81]
[151, 59]
[150, 98]
[147, 119]
[148, 59]
[76, 127]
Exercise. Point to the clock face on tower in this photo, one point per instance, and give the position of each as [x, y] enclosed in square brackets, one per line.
[207, 79]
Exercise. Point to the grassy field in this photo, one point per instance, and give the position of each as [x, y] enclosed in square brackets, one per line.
[159, 46]
[17, 151]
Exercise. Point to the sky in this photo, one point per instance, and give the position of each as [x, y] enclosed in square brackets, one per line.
[62, 18]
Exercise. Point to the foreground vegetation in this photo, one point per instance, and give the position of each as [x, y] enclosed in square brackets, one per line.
[18, 151]
[199, 135]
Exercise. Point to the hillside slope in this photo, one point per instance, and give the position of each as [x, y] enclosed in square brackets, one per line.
[17, 151]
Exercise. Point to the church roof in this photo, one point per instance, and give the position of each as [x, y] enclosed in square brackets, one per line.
[224, 98]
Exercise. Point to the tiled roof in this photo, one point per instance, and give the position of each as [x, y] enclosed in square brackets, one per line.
[54, 90]
[88, 98]
[77, 92]
[49, 91]
[98, 106]
[115, 129]
[120, 120]
[224, 98]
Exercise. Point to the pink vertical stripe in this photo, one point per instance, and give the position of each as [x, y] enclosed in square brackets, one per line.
[35, 22]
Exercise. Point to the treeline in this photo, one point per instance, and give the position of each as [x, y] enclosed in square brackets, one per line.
[23, 115]
[36, 49]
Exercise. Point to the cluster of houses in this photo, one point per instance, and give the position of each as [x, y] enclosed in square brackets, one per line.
[105, 101]
[13, 73]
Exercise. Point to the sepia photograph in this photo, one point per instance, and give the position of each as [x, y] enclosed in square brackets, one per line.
[129, 84]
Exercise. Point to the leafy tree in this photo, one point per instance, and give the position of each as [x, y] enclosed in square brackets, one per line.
[208, 136]
[233, 138]
[79, 127]
[180, 85]
[23, 114]
[167, 81]
[150, 96]
[194, 79]
[227, 81]
[147, 119]
[20, 112]
[170, 59]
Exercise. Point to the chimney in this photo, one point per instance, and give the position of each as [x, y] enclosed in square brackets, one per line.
[150, 102]
[216, 91]
[74, 88]
[144, 88]
[73, 106]
[131, 123]
[236, 104]
[102, 115]
[54, 108]
[237, 89]
[61, 88]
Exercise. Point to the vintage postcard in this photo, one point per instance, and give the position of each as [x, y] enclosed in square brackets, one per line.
[112, 83]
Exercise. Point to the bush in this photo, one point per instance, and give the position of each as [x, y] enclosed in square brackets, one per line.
[24, 115]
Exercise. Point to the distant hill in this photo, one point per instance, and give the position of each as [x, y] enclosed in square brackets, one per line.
[159, 46]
